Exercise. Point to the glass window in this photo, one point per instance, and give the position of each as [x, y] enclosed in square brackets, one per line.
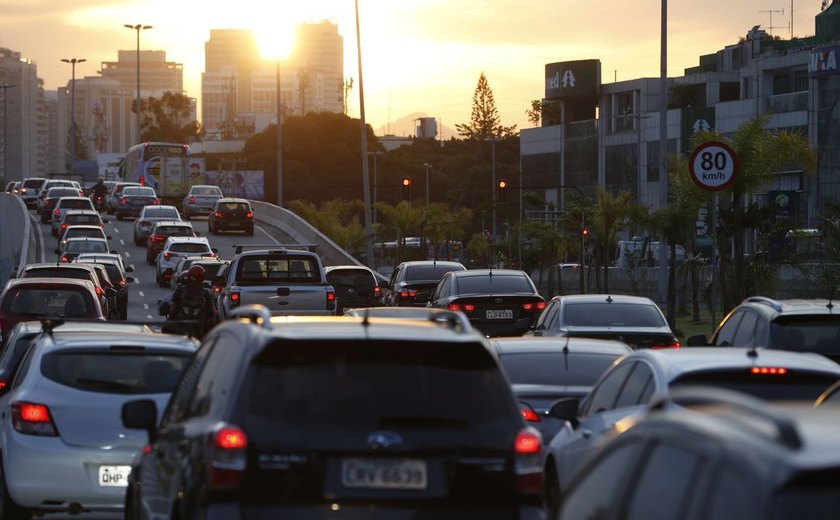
[206, 190]
[555, 368]
[262, 269]
[726, 334]
[604, 396]
[734, 496]
[190, 247]
[48, 302]
[177, 407]
[663, 489]
[115, 372]
[215, 378]
[547, 316]
[428, 273]
[745, 336]
[233, 206]
[497, 284]
[820, 333]
[596, 492]
[793, 385]
[636, 386]
[612, 315]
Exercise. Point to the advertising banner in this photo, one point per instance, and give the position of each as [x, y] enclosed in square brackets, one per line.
[572, 79]
[247, 184]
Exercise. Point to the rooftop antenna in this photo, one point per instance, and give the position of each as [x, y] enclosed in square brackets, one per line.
[771, 11]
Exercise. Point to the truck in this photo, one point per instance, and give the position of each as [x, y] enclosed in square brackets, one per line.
[288, 279]
[175, 176]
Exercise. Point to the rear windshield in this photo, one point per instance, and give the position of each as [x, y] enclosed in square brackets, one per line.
[555, 368]
[76, 204]
[82, 219]
[809, 333]
[793, 385]
[115, 371]
[34, 183]
[86, 246]
[206, 190]
[493, 284]
[81, 233]
[62, 192]
[233, 206]
[114, 272]
[612, 315]
[258, 269]
[351, 278]
[189, 248]
[158, 212]
[138, 192]
[51, 272]
[427, 273]
[49, 302]
[319, 387]
[179, 231]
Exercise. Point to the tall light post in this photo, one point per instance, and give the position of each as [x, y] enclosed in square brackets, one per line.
[427, 165]
[279, 138]
[663, 147]
[365, 172]
[375, 182]
[493, 141]
[73, 62]
[138, 27]
[5, 87]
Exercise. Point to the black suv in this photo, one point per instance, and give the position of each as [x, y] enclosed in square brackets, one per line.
[355, 286]
[231, 214]
[797, 325]
[314, 417]
[718, 454]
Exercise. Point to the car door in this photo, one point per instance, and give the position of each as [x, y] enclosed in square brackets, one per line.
[546, 319]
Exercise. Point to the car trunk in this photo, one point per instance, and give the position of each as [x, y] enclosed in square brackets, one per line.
[634, 337]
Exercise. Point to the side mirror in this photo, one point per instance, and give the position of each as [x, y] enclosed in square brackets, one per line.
[141, 415]
[130, 279]
[215, 250]
[114, 252]
[565, 409]
[129, 269]
[697, 341]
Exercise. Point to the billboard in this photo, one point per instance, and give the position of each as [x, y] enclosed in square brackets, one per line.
[567, 79]
[247, 184]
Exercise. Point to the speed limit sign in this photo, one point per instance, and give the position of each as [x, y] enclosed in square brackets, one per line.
[713, 166]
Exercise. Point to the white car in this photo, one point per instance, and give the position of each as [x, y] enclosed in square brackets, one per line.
[82, 231]
[177, 247]
[149, 216]
[115, 257]
[56, 183]
[66, 204]
[200, 200]
[73, 247]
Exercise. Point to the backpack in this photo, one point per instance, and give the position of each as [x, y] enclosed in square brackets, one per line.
[192, 304]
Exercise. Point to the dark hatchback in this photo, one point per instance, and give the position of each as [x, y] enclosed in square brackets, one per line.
[231, 214]
[634, 320]
[412, 283]
[355, 286]
[337, 418]
[498, 302]
[133, 200]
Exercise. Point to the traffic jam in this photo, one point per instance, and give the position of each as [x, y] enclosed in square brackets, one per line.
[178, 359]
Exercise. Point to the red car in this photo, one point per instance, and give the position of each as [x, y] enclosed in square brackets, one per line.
[26, 299]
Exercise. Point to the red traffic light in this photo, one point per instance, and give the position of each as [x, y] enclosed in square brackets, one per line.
[586, 231]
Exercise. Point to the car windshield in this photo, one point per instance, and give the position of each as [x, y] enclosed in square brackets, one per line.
[321, 388]
[792, 385]
[159, 212]
[427, 273]
[48, 302]
[116, 370]
[614, 314]
[555, 368]
[493, 284]
[206, 190]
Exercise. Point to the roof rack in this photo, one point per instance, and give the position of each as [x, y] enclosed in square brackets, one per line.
[306, 247]
[743, 404]
[770, 302]
[254, 314]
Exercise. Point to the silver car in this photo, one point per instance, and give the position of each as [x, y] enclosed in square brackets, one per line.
[64, 447]
[200, 200]
[147, 219]
[66, 204]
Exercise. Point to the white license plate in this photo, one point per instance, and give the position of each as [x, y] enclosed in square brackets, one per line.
[114, 476]
[505, 314]
[383, 474]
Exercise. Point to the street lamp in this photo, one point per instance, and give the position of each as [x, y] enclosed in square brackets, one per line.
[5, 87]
[427, 165]
[73, 62]
[363, 125]
[138, 28]
[663, 146]
[493, 141]
[279, 137]
[375, 182]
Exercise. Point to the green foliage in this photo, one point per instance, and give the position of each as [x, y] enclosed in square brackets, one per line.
[484, 120]
[168, 119]
[339, 219]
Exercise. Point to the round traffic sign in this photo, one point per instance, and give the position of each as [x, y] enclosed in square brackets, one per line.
[713, 166]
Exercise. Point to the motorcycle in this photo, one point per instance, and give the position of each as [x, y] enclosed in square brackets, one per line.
[98, 202]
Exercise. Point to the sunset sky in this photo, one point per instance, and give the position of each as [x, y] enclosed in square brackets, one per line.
[418, 55]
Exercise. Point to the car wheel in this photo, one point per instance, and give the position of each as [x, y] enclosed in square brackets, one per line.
[8, 509]
[119, 217]
[552, 491]
[250, 232]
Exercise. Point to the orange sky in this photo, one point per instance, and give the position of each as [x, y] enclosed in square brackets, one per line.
[419, 55]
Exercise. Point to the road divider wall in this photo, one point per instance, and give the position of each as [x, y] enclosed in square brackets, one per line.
[17, 239]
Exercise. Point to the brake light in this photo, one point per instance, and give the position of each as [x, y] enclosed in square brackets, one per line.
[142, 181]
[158, 238]
[673, 344]
[530, 306]
[57, 212]
[192, 200]
[777, 371]
[408, 293]
[99, 291]
[227, 457]
[64, 226]
[234, 299]
[33, 419]
[217, 214]
[250, 214]
[49, 202]
[528, 451]
[155, 201]
[123, 201]
[167, 255]
[453, 307]
[529, 414]
[540, 306]
[330, 300]
[469, 307]
[377, 292]
[217, 289]
[65, 259]
[2, 384]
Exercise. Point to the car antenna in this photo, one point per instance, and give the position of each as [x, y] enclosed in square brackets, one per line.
[830, 298]
[609, 299]
[365, 318]
[566, 353]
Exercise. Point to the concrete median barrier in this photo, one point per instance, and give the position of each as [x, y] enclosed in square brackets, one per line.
[18, 244]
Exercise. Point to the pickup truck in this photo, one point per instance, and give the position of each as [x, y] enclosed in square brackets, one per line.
[288, 279]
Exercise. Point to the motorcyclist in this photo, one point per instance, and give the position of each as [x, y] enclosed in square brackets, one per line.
[98, 192]
[193, 301]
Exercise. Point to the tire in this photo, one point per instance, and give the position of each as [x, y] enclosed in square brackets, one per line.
[149, 259]
[8, 509]
[119, 217]
[250, 232]
[552, 492]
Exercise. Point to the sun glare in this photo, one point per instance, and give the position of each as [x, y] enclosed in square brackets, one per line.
[275, 41]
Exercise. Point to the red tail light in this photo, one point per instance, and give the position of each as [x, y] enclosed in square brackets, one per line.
[532, 306]
[234, 299]
[192, 200]
[123, 202]
[65, 259]
[528, 450]
[453, 307]
[64, 226]
[776, 371]
[57, 212]
[99, 291]
[250, 214]
[217, 214]
[540, 306]
[469, 307]
[33, 419]
[49, 202]
[673, 344]
[227, 450]
[330, 300]
[167, 255]
[377, 292]
[158, 238]
[408, 293]
[529, 414]
[142, 181]
[155, 201]
[217, 289]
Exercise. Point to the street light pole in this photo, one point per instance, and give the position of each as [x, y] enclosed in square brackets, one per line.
[73, 62]
[279, 138]
[375, 183]
[365, 172]
[663, 147]
[427, 165]
[493, 141]
[138, 27]
[5, 87]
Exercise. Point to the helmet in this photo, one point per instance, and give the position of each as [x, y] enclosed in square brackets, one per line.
[195, 273]
[100, 180]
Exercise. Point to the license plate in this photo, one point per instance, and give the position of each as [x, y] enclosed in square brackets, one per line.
[505, 314]
[114, 476]
[383, 474]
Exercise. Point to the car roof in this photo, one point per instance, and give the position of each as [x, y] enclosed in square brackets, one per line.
[159, 207]
[83, 226]
[86, 239]
[39, 281]
[232, 199]
[328, 268]
[603, 298]
[488, 272]
[204, 186]
[791, 306]
[52, 265]
[181, 223]
[557, 344]
[67, 326]
[81, 211]
[103, 339]
[73, 198]
[185, 240]
[446, 263]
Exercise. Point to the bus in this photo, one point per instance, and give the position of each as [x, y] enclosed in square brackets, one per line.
[143, 161]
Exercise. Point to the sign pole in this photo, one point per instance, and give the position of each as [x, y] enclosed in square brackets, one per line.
[715, 263]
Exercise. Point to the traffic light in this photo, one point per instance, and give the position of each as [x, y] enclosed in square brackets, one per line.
[585, 232]
[502, 191]
[405, 189]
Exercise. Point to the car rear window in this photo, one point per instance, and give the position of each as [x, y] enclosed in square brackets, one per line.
[233, 206]
[495, 284]
[138, 192]
[793, 385]
[82, 219]
[153, 212]
[545, 368]
[321, 387]
[807, 333]
[82, 233]
[54, 272]
[76, 204]
[189, 248]
[427, 273]
[260, 269]
[86, 246]
[62, 192]
[180, 231]
[355, 278]
[115, 371]
[49, 302]
[612, 315]
[34, 183]
[207, 190]
[114, 272]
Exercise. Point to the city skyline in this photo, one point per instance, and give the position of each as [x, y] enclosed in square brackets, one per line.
[416, 57]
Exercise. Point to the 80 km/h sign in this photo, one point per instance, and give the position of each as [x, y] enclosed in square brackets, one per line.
[713, 166]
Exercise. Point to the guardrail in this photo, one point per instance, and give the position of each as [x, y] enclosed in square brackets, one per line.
[18, 245]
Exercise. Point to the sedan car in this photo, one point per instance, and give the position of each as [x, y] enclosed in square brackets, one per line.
[112, 200]
[66, 204]
[33, 298]
[635, 320]
[64, 447]
[149, 216]
[75, 246]
[46, 206]
[174, 249]
[355, 286]
[56, 183]
[77, 217]
[412, 282]
[231, 214]
[77, 272]
[29, 190]
[200, 200]
[133, 200]
[117, 274]
[544, 370]
[498, 302]
[162, 230]
[82, 231]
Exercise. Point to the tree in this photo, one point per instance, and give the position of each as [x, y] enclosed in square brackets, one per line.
[544, 111]
[168, 119]
[484, 121]
[611, 213]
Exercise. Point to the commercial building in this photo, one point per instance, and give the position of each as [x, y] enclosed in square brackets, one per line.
[23, 144]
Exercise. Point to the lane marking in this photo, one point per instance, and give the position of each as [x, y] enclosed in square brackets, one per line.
[267, 234]
[149, 316]
[116, 229]
[127, 254]
[122, 242]
[140, 293]
[146, 306]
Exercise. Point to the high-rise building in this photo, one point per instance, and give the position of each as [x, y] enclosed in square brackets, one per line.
[156, 74]
[230, 55]
[22, 105]
[318, 57]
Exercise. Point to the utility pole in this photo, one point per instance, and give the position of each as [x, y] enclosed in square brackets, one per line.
[279, 138]
[73, 62]
[138, 27]
[365, 172]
